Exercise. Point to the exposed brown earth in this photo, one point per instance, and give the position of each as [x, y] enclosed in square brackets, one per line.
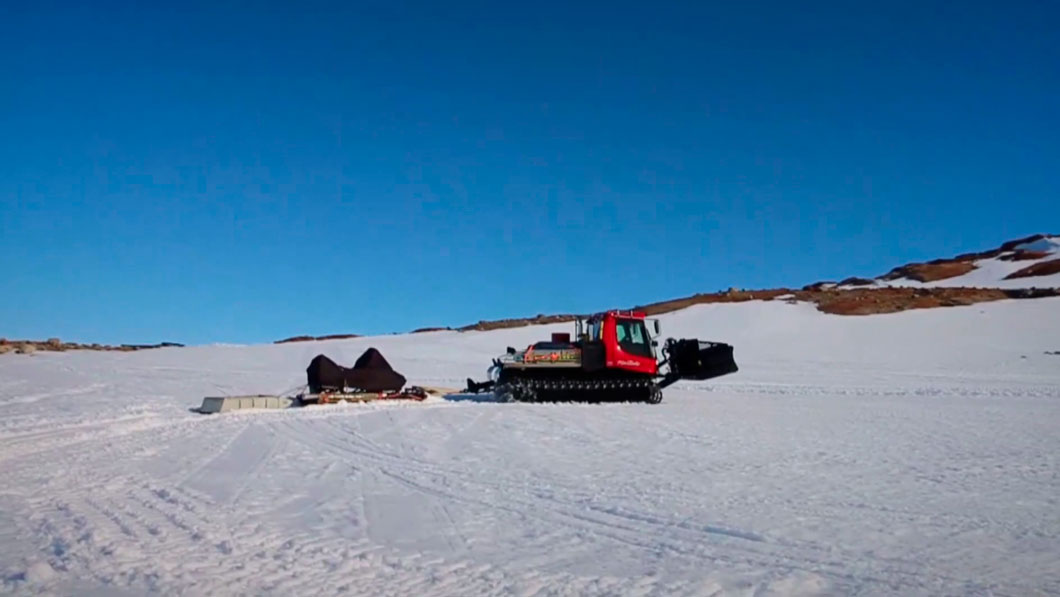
[311, 338]
[856, 301]
[855, 281]
[295, 339]
[893, 300]
[57, 345]
[1045, 268]
[500, 324]
[1004, 248]
[932, 271]
[943, 269]
[425, 330]
[1031, 293]
[860, 301]
[1024, 255]
[737, 296]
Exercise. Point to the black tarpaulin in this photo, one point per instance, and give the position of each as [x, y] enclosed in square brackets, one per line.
[371, 373]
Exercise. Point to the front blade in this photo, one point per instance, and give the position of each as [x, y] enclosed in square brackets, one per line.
[695, 359]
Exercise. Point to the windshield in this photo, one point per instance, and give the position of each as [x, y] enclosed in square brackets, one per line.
[633, 337]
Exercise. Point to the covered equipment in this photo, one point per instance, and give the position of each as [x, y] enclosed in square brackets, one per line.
[371, 373]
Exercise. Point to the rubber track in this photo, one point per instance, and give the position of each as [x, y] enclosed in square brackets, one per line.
[549, 390]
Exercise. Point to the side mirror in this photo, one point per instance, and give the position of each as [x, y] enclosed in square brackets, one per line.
[511, 350]
[656, 322]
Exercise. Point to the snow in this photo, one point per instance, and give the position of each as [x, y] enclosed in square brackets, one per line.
[991, 273]
[905, 454]
[1049, 244]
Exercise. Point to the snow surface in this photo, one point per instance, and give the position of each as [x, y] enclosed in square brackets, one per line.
[906, 454]
[1050, 244]
[991, 273]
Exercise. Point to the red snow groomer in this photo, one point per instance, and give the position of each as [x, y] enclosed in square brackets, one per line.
[613, 358]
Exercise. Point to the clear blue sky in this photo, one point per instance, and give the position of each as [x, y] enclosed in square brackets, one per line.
[241, 172]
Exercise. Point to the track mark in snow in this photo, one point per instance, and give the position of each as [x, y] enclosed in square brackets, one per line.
[652, 520]
[226, 475]
[420, 476]
[643, 533]
[28, 442]
[71, 392]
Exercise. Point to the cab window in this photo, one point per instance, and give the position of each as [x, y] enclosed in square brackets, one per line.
[633, 337]
[594, 331]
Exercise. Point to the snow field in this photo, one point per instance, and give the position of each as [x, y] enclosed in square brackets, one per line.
[904, 454]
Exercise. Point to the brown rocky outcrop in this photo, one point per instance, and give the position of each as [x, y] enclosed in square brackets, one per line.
[855, 281]
[57, 345]
[499, 324]
[313, 338]
[1024, 255]
[893, 300]
[1044, 268]
[931, 271]
[943, 269]
[1004, 248]
[718, 297]
[823, 285]
[851, 301]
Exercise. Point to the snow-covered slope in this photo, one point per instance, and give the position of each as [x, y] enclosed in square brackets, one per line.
[905, 454]
[991, 272]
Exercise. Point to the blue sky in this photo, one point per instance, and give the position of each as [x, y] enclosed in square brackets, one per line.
[242, 172]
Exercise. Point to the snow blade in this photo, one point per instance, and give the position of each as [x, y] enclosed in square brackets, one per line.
[695, 359]
[474, 387]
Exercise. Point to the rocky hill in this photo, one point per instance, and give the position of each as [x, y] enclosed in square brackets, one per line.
[1024, 268]
[57, 345]
[1027, 262]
